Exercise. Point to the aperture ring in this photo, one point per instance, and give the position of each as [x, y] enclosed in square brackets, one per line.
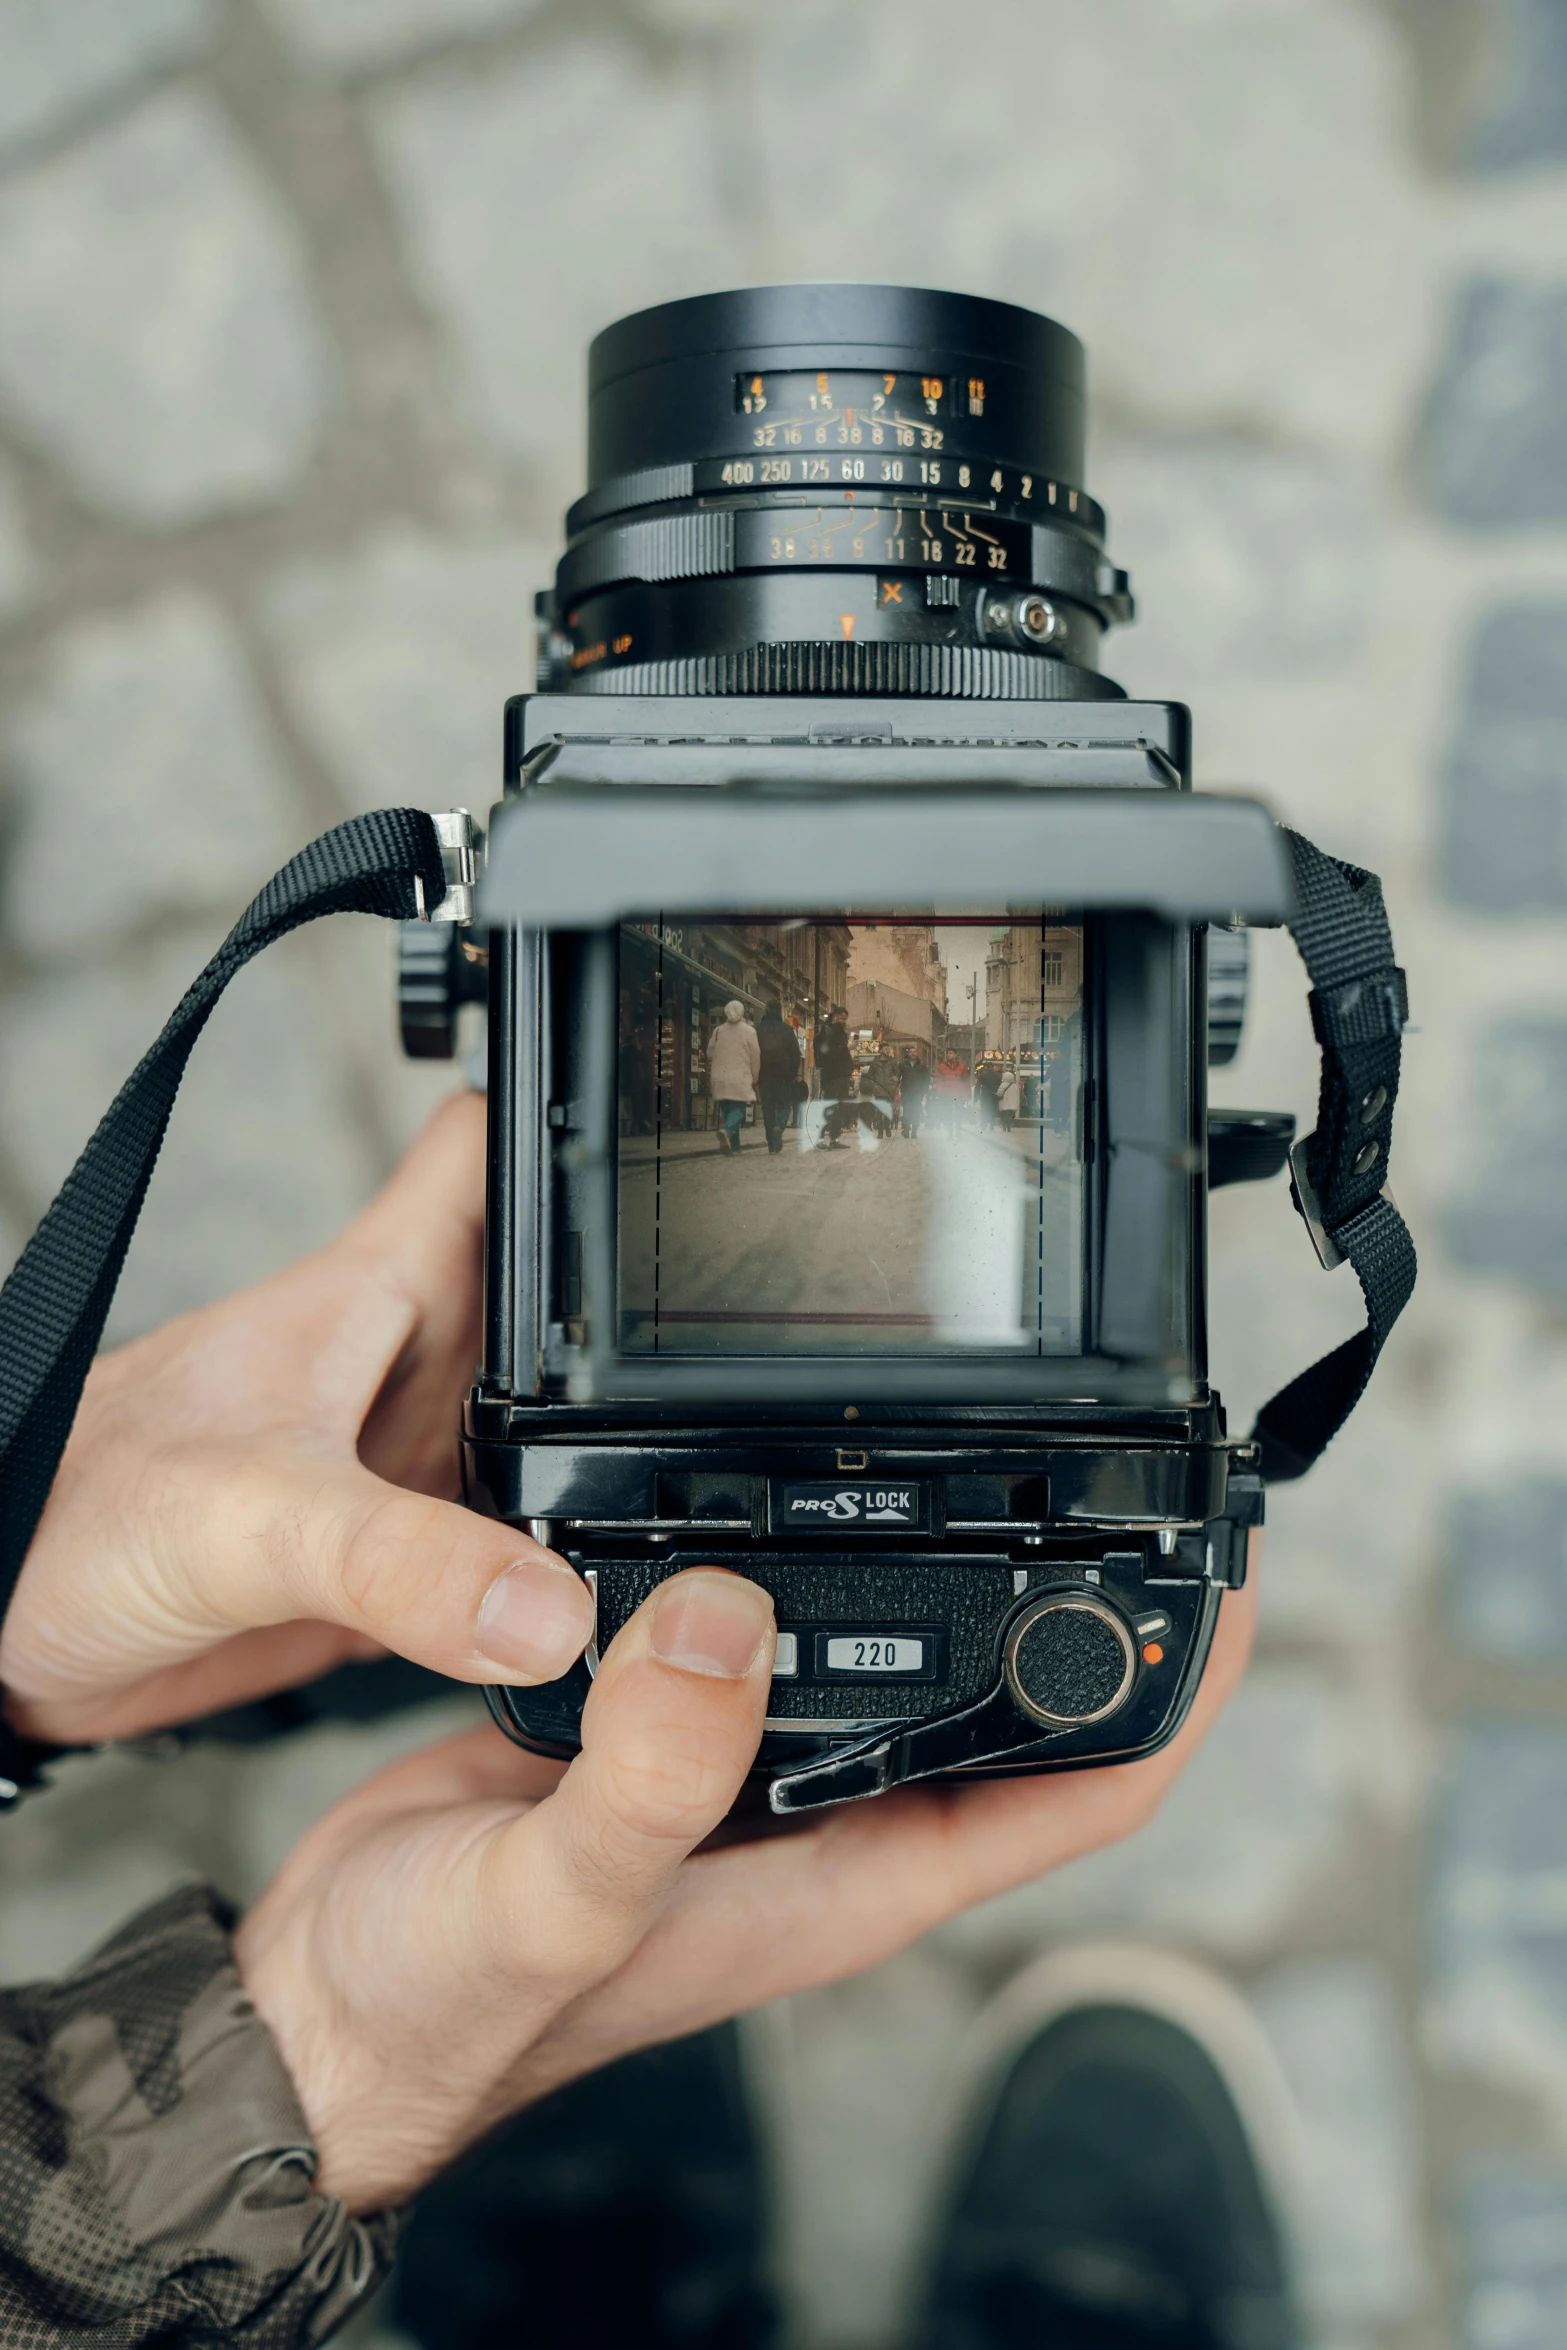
[974, 548]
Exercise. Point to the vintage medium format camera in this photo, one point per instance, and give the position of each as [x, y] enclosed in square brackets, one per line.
[854, 954]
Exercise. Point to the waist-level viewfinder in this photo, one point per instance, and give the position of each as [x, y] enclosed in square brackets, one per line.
[855, 954]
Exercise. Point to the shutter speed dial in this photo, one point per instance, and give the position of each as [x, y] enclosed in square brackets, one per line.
[1070, 1660]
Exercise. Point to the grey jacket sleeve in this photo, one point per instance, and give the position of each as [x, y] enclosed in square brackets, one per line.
[156, 2171]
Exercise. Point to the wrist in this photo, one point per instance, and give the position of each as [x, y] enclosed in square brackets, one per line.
[394, 2069]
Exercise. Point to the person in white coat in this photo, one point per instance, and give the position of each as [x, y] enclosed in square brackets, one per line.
[734, 1063]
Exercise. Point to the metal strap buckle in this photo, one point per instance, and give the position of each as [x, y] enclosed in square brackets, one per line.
[1329, 1254]
[460, 841]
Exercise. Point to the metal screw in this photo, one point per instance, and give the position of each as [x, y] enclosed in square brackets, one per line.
[1366, 1159]
[1373, 1105]
[997, 617]
[1039, 619]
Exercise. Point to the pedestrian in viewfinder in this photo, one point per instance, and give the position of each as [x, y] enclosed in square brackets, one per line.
[835, 1067]
[734, 1063]
[987, 1085]
[780, 1071]
[914, 1084]
[952, 1092]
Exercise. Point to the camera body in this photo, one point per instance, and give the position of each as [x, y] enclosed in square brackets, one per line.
[791, 1267]
[1023, 1581]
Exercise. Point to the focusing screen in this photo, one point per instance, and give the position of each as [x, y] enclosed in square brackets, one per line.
[851, 1134]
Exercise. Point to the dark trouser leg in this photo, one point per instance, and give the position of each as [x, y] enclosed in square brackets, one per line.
[626, 2208]
[777, 1109]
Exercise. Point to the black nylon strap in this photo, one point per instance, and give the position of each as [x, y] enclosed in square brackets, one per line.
[1358, 1009]
[56, 1301]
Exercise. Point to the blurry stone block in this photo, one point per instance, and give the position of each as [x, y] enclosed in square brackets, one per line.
[1338, 2035]
[1513, 1220]
[1504, 785]
[1507, 1597]
[1244, 559]
[1513, 2238]
[1522, 118]
[146, 781]
[1259, 1810]
[540, 202]
[111, 1832]
[1498, 1908]
[1186, 213]
[158, 334]
[49, 1925]
[1493, 440]
[399, 660]
[373, 32]
[263, 1160]
[58, 57]
[18, 571]
[853, 2081]
[706, 17]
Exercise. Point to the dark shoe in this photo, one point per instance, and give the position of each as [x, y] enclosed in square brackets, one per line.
[1121, 2188]
[626, 2208]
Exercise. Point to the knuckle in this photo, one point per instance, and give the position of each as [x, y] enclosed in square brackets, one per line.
[390, 1558]
[655, 1796]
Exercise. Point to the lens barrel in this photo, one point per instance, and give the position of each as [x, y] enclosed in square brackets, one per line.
[834, 488]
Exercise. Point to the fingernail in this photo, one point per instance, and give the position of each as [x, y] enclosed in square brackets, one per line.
[711, 1623]
[535, 1620]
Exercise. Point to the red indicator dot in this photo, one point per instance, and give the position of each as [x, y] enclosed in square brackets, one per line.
[1153, 1654]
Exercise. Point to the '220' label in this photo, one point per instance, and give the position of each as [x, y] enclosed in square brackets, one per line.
[872, 1506]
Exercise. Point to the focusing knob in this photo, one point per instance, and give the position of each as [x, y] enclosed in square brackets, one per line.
[1070, 1660]
[435, 978]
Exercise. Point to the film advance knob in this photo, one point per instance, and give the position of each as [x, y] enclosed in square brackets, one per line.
[437, 973]
[1069, 1660]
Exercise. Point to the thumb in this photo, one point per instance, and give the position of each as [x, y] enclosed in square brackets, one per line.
[668, 1735]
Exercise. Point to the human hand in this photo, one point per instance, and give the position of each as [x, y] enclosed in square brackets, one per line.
[476, 1925]
[262, 1489]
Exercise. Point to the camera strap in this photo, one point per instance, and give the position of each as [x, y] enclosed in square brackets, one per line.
[1359, 1009]
[57, 1298]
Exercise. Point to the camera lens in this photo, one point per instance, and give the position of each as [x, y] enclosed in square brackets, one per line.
[834, 489]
